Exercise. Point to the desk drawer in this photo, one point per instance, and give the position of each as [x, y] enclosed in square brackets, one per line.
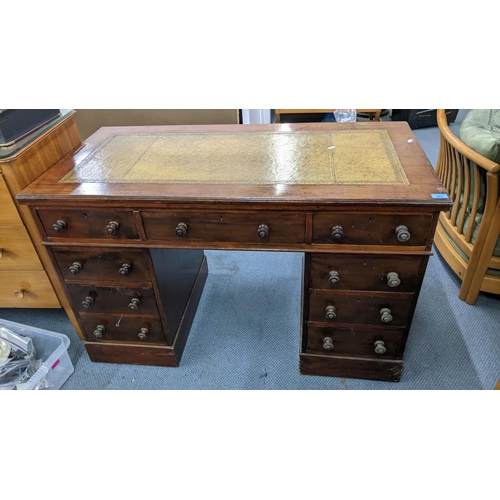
[116, 327]
[120, 300]
[365, 272]
[372, 343]
[103, 265]
[371, 229]
[77, 224]
[16, 250]
[360, 309]
[248, 227]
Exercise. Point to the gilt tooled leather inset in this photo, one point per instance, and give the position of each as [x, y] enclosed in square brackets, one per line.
[311, 158]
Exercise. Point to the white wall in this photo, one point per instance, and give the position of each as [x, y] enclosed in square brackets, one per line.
[251, 116]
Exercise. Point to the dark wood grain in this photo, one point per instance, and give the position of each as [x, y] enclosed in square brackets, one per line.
[132, 354]
[364, 272]
[371, 229]
[103, 264]
[89, 223]
[123, 327]
[238, 227]
[351, 367]
[113, 299]
[354, 341]
[360, 309]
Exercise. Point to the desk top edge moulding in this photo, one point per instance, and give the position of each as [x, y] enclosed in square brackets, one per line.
[126, 218]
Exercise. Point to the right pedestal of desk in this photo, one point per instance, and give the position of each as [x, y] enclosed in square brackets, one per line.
[360, 292]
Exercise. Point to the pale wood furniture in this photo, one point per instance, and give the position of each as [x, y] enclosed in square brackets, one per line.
[374, 114]
[26, 273]
[472, 182]
[126, 219]
[89, 121]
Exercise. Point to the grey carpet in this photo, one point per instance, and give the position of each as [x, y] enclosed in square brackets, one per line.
[246, 331]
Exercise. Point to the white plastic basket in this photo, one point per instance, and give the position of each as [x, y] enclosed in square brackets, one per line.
[52, 347]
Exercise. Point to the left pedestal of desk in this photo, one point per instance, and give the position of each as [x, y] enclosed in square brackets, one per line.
[133, 305]
[26, 273]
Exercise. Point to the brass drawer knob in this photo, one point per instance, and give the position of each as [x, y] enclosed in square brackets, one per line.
[134, 304]
[328, 344]
[87, 302]
[143, 333]
[393, 280]
[385, 315]
[402, 233]
[75, 268]
[330, 312]
[100, 329]
[60, 226]
[125, 269]
[112, 227]
[19, 293]
[181, 229]
[263, 231]
[337, 233]
[380, 347]
[333, 277]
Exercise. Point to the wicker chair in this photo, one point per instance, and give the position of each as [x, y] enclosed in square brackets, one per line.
[467, 235]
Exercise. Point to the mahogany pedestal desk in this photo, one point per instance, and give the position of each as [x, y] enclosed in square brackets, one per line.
[126, 218]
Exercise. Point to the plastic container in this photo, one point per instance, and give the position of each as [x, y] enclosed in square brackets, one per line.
[52, 347]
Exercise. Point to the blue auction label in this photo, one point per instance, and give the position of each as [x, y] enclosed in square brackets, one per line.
[439, 195]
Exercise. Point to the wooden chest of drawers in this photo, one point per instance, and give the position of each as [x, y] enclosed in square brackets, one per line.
[127, 217]
[26, 275]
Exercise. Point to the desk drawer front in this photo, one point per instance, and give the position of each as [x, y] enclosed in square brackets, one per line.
[120, 300]
[374, 343]
[115, 327]
[103, 265]
[77, 224]
[365, 272]
[364, 310]
[367, 229]
[249, 227]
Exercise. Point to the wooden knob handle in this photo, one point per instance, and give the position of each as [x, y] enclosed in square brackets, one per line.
[143, 333]
[100, 329]
[125, 269]
[330, 312]
[333, 277]
[87, 302]
[112, 227]
[19, 293]
[328, 344]
[181, 229]
[134, 304]
[402, 233]
[60, 226]
[393, 280]
[385, 315]
[263, 231]
[380, 347]
[1, 252]
[75, 268]
[337, 233]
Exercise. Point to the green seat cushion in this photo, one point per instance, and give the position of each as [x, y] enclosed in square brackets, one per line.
[480, 130]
